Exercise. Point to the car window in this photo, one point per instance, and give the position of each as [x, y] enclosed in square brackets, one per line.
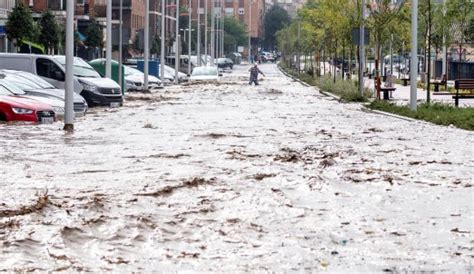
[24, 85]
[42, 67]
[204, 71]
[49, 69]
[132, 71]
[4, 91]
[11, 87]
[81, 67]
[34, 79]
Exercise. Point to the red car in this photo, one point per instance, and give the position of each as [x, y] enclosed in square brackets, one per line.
[17, 108]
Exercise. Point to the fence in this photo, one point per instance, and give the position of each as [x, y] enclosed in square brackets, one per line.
[456, 70]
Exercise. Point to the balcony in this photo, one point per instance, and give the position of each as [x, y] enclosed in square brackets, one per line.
[5, 7]
[126, 4]
[55, 5]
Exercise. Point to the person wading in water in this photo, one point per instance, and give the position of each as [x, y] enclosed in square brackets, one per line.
[254, 71]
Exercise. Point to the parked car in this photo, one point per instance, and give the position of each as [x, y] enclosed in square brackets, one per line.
[35, 86]
[87, 82]
[182, 77]
[267, 56]
[224, 63]
[205, 73]
[134, 80]
[16, 108]
[56, 104]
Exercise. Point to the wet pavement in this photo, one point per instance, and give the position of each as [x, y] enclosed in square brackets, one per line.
[231, 177]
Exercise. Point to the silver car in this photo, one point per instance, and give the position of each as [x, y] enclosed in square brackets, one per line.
[34, 85]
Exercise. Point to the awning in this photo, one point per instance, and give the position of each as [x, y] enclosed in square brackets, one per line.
[30, 47]
[82, 37]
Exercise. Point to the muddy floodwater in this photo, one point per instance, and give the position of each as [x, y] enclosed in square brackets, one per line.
[231, 177]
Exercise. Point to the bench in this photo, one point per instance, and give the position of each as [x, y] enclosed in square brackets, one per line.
[387, 92]
[437, 83]
[405, 81]
[466, 84]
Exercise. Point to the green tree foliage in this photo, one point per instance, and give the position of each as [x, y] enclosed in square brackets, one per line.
[275, 19]
[470, 31]
[49, 35]
[235, 34]
[461, 13]
[94, 35]
[384, 19]
[20, 25]
[155, 47]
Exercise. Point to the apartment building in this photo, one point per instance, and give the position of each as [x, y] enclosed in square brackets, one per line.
[84, 9]
[249, 12]
[6, 6]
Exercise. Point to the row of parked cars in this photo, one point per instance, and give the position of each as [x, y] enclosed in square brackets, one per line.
[32, 87]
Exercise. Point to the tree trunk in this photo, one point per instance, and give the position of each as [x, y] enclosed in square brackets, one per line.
[334, 62]
[324, 63]
[429, 55]
[343, 59]
[377, 72]
[350, 59]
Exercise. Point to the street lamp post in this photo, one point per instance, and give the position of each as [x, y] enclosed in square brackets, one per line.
[108, 53]
[205, 31]
[120, 46]
[189, 37]
[69, 96]
[162, 51]
[213, 50]
[147, 44]
[362, 51]
[223, 32]
[250, 31]
[198, 50]
[177, 43]
[444, 45]
[414, 56]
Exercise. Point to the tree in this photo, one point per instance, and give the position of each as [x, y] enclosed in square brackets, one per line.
[462, 12]
[155, 47]
[235, 34]
[94, 35]
[49, 31]
[20, 25]
[275, 19]
[383, 19]
[470, 31]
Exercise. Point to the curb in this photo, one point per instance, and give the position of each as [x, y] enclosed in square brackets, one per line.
[292, 77]
[363, 107]
[328, 94]
[325, 93]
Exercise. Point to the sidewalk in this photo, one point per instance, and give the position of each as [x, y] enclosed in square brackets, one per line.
[402, 93]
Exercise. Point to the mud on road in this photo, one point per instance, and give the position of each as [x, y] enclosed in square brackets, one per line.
[236, 178]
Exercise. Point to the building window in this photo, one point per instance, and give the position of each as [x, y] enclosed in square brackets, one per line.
[241, 11]
[229, 11]
[80, 2]
[201, 10]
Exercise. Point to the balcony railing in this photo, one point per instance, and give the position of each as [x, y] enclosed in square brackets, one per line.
[6, 6]
[56, 4]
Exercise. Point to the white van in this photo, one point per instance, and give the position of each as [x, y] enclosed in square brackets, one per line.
[87, 82]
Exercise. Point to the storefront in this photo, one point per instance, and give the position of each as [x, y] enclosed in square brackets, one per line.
[3, 37]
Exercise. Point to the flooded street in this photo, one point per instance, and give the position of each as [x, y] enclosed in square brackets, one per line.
[231, 177]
